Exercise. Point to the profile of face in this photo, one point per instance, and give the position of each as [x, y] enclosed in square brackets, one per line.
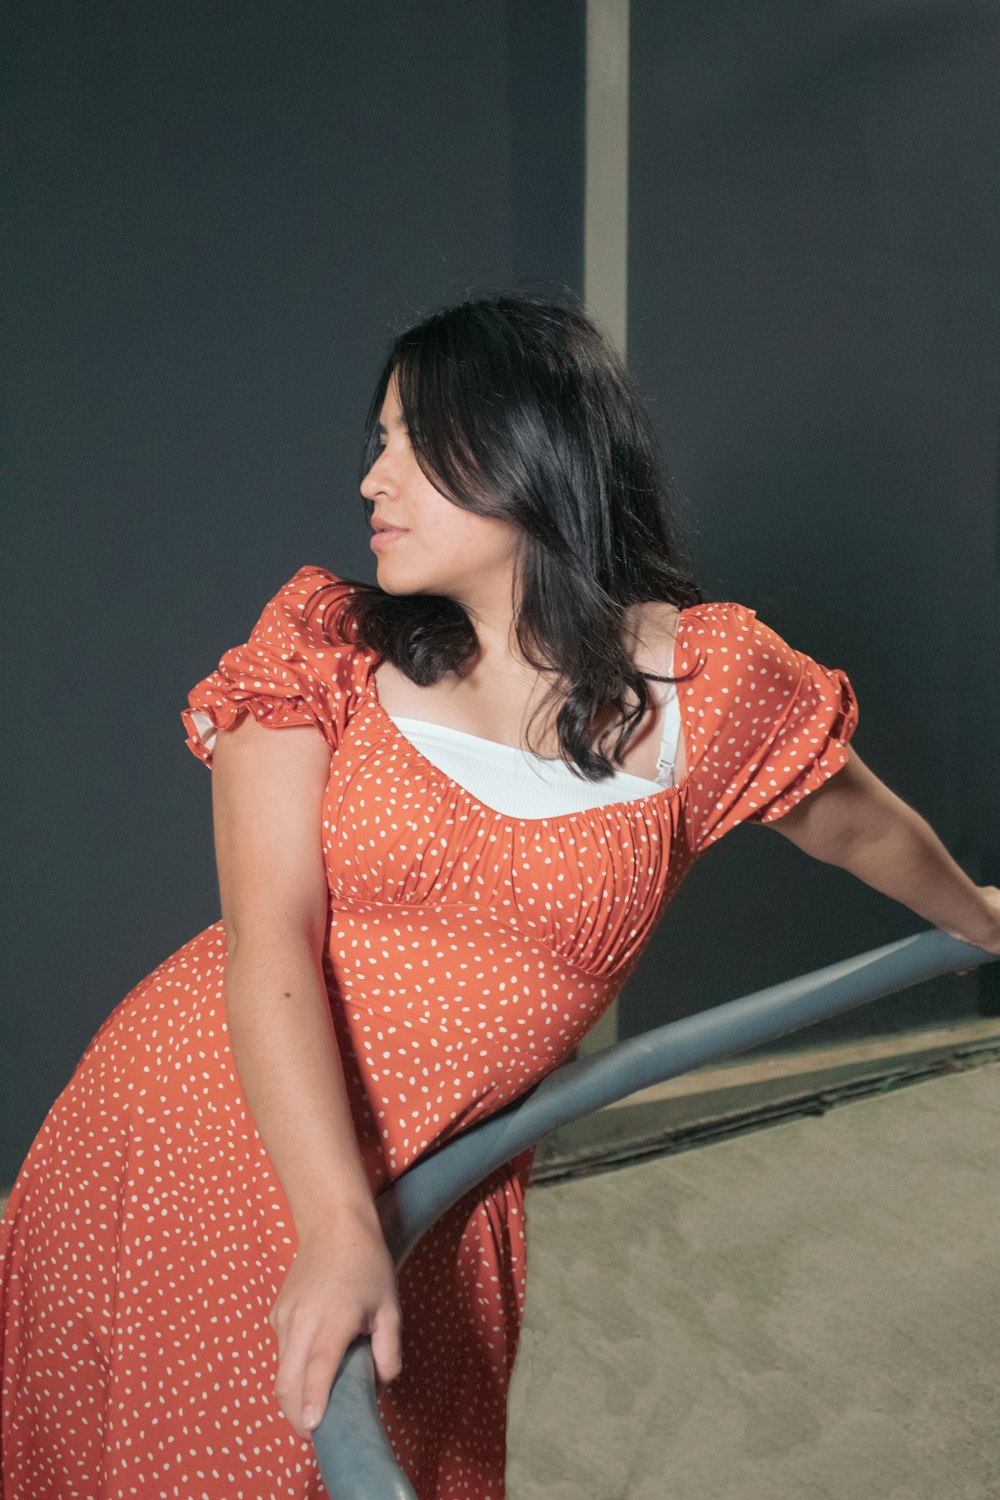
[442, 548]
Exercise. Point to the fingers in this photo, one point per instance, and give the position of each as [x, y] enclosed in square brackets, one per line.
[319, 1376]
[306, 1371]
[387, 1345]
[310, 1357]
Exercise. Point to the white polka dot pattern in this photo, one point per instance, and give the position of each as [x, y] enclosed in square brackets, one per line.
[468, 952]
[764, 724]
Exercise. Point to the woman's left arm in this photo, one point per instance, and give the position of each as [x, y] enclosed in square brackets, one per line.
[856, 822]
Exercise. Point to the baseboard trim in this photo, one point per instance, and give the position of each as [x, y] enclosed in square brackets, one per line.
[714, 1103]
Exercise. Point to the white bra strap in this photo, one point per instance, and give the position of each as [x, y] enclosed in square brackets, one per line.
[671, 737]
[671, 731]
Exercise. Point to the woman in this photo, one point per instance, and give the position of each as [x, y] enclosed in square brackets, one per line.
[427, 899]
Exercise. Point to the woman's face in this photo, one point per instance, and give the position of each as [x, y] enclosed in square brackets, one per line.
[442, 548]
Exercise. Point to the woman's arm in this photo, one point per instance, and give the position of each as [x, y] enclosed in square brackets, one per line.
[855, 821]
[267, 792]
[267, 798]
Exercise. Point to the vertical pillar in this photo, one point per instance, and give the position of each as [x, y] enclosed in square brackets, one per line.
[605, 228]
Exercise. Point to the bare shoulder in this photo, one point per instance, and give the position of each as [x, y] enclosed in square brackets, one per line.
[654, 623]
[653, 615]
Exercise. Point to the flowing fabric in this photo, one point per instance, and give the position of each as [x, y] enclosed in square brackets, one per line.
[468, 952]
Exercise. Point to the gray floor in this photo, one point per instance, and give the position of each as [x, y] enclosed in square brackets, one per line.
[805, 1312]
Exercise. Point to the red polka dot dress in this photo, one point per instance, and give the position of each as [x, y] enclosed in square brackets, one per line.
[469, 951]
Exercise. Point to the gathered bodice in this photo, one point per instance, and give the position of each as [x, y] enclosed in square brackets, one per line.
[434, 892]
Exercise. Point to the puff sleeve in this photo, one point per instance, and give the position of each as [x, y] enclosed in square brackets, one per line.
[288, 673]
[768, 724]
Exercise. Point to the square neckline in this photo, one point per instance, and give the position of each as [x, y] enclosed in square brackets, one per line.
[637, 803]
[514, 750]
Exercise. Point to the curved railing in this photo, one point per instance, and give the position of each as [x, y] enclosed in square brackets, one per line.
[355, 1459]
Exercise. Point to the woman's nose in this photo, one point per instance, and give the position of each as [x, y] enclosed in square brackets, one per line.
[377, 480]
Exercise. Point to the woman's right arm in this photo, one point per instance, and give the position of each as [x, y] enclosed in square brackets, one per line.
[267, 794]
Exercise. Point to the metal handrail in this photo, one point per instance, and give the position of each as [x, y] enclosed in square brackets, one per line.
[355, 1459]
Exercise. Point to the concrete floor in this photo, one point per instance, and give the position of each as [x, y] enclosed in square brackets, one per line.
[809, 1311]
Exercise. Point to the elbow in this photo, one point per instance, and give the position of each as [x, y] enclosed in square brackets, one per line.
[274, 934]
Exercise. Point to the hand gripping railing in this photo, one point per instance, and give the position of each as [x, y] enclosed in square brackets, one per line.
[355, 1459]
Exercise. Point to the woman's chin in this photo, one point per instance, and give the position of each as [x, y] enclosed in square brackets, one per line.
[394, 580]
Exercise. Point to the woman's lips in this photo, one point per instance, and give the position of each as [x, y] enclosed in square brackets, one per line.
[382, 538]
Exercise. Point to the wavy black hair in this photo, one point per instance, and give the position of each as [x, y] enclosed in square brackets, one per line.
[520, 408]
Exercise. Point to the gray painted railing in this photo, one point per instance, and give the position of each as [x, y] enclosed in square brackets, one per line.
[355, 1459]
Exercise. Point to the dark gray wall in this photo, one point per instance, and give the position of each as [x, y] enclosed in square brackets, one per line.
[220, 213]
[815, 236]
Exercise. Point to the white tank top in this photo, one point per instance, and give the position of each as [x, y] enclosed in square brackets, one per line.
[525, 785]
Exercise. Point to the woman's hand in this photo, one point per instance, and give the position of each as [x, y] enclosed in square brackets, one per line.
[989, 937]
[341, 1283]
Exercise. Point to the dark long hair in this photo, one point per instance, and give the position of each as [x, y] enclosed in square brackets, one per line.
[519, 408]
